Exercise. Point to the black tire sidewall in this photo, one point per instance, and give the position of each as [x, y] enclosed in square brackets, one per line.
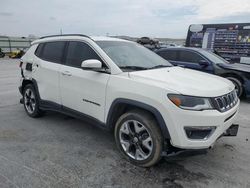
[36, 112]
[150, 124]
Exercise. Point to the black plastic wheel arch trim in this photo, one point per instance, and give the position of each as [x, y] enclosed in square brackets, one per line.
[140, 105]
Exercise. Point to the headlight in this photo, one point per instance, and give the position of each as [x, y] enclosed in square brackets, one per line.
[190, 103]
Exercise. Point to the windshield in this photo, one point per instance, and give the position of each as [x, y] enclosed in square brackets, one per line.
[213, 57]
[128, 55]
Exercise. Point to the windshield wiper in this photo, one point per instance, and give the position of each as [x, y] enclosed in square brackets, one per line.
[159, 66]
[133, 67]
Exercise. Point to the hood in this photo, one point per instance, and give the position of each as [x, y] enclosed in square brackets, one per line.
[185, 81]
[235, 66]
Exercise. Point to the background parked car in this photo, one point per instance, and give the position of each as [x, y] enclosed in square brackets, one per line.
[167, 45]
[16, 54]
[149, 43]
[147, 40]
[203, 60]
[1, 53]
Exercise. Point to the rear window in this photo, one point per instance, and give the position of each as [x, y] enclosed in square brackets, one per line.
[52, 51]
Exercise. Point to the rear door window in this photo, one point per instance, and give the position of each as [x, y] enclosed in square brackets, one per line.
[53, 51]
[188, 56]
[169, 54]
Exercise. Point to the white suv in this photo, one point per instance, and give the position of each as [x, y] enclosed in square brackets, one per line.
[153, 107]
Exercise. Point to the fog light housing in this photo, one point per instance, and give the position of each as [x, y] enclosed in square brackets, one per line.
[199, 132]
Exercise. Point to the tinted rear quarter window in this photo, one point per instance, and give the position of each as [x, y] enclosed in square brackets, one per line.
[168, 54]
[53, 51]
[189, 56]
[39, 50]
[79, 52]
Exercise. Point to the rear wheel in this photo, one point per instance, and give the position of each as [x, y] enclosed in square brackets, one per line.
[238, 85]
[30, 101]
[138, 138]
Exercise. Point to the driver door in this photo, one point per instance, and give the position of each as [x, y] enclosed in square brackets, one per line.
[82, 90]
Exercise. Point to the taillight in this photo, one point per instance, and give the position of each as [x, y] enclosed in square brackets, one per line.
[21, 63]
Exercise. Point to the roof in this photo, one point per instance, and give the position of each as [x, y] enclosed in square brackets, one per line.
[181, 48]
[75, 36]
[101, 38]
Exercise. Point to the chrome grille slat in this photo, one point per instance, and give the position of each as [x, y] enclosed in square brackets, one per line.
[226, 102]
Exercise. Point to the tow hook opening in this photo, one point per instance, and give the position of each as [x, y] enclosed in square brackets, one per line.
[232, 130]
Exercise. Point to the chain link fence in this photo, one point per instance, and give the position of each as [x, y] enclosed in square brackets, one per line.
[10, 44]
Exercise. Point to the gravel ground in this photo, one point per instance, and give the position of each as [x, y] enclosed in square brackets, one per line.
[59, 151]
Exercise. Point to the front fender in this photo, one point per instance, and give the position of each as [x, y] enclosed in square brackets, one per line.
[115, 104]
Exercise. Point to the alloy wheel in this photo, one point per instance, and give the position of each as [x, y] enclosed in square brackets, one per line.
[29, 101]
[135, 140]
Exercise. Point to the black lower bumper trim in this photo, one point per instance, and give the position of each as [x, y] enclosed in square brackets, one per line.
[184, 153]
[171, 151]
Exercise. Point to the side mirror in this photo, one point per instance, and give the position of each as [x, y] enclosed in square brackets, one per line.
[92, 64]
[203, 63]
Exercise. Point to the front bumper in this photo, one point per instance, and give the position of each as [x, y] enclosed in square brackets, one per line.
[171, 151]
[179, 119]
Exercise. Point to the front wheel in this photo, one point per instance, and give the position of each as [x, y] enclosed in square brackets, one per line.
[138, 137]
[238, 85]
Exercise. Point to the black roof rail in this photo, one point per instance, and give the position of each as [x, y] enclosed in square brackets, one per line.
[80, 35]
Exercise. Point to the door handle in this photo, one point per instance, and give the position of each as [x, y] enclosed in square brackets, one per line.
[66, 73]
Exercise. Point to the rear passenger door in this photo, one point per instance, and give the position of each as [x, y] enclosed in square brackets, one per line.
[46, 66]
[82, 90]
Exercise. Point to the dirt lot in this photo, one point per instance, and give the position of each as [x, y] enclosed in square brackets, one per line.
[59, 151]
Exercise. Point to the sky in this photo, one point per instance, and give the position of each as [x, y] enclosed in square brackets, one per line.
[153, 18]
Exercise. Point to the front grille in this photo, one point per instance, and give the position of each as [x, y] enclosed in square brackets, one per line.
[226, 102]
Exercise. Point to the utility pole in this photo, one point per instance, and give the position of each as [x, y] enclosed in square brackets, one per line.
[61, 31]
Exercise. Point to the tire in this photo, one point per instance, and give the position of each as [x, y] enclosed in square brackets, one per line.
[31, 102]
[238, 85]
[144, 146]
